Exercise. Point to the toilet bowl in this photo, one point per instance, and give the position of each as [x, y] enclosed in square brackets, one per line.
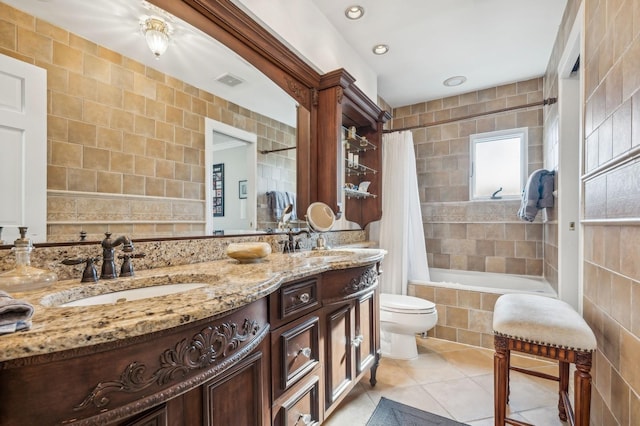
[401, 317]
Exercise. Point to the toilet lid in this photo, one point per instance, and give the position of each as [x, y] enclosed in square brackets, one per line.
[405, 304]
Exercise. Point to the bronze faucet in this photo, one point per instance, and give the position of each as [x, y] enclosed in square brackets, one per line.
[290, 245]
[109, 270]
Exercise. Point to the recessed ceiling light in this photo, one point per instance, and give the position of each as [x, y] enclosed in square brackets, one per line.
[454, 81]
[354, 12]
[380, 49]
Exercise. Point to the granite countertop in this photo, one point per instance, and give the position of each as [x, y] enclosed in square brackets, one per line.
[230, 285]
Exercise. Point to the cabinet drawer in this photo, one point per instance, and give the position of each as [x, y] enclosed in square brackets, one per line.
[294, 300]
[302, 407]
[295, 352]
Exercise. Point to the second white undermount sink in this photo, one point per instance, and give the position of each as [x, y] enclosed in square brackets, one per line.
[133, 294]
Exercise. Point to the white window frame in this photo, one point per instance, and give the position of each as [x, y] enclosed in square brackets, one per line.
[522, 133]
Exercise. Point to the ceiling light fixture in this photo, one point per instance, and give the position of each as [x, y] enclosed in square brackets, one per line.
[157, 32]
[354, 12]
[380, 49]
[454, 81]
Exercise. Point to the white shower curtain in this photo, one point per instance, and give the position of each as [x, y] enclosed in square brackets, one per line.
[400, 231]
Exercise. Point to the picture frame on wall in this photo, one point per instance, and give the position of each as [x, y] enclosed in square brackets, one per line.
[218, 189]
[242, 189]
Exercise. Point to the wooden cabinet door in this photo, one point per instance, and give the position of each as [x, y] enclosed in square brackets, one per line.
[339, 335]
[302, 407]
[365, 332]
[239, 397]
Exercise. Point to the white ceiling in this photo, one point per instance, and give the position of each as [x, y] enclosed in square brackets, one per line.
[491, 42]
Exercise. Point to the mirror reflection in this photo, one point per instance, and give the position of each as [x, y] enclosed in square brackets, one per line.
[128, 129]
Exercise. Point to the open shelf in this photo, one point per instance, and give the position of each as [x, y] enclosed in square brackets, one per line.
[351, 193]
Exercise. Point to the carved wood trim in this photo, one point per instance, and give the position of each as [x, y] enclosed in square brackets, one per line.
[366, 280]
[339, 94]
[210, 346]
[298, 91]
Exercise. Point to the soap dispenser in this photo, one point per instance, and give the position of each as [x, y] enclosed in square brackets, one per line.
[24, 277]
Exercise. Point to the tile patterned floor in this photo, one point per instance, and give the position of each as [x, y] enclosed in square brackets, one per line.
[455, 381]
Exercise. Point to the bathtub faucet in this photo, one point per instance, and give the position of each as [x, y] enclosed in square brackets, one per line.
[494, 195]
[108, 270]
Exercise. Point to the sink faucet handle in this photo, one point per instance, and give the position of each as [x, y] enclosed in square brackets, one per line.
[126, 270]
[90, 273]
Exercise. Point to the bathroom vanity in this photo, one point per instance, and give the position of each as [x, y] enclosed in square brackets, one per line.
[279, 342]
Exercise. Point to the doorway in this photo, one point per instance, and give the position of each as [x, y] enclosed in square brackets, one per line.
[569, 166]
[230, 179]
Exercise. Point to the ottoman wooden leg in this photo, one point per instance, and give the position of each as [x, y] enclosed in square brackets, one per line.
[500, 372]
[563, 368]
[582, 386]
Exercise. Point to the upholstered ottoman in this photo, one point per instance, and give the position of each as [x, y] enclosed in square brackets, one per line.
[550, 328]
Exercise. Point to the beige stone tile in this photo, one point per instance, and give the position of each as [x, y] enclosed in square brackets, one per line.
[34, 45]
[133, 184]
[121, 77]
[95, 158]
[81, 132]
[144, 86]
[355, 409]
[145, 126]
[56, 178]
[110, 95]
[81, 180]
[122, 162]
[95, 113]
[495, 264]
[109, 139]
[66, 106]
[97, 68]
[471, 361]
[109, 55]
[457, 317]
[66, 154]
[82, 86]
[82, 44]
[464, 399]
[109, 182]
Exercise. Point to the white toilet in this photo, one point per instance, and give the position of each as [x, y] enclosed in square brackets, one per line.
[401, 317]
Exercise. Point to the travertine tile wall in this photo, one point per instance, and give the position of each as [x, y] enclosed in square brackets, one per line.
[128, 134]
[478, 235]
[611, 199]
[463, 316]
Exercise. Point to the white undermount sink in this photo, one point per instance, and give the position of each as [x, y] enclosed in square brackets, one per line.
[133, 294]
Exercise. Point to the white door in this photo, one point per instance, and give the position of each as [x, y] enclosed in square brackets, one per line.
[23, 149]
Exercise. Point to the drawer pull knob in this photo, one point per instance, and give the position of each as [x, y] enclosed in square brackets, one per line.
[306, 352]
[306, 419]
[304, 297]
[357, 340]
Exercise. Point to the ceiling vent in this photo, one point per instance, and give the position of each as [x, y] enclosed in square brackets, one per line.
[229, 79]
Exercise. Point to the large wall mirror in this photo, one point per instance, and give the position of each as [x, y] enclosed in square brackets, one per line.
[127, 131]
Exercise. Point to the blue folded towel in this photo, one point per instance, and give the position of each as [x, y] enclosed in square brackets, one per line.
[15, 314]
[537, 194]
[277, 201]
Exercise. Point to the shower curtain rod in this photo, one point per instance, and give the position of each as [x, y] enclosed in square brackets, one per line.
[549, 101]
[277, 150]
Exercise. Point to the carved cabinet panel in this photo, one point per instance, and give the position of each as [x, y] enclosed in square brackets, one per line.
[111, 383]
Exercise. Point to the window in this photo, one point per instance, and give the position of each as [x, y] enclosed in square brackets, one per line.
[498, 164]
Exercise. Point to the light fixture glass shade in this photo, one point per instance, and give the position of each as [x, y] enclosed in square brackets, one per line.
[156, 32]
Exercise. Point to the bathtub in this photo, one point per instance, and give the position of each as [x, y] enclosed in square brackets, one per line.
[487, 282]
[465, 301]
